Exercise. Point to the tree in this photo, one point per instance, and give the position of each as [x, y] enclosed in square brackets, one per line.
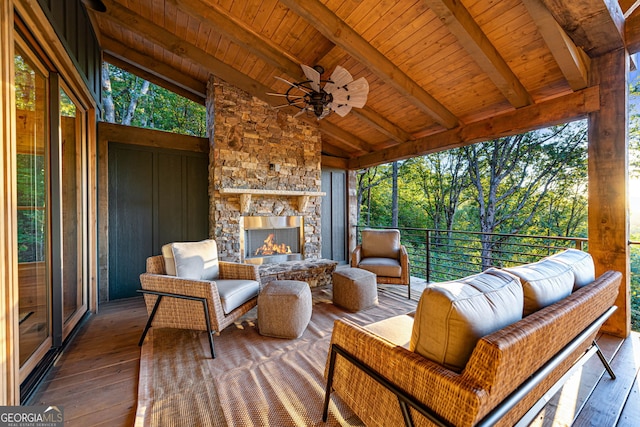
[133, 101]
[513, 175]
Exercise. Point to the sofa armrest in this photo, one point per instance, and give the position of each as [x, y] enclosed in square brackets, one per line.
[356, 256]
[420, 378]
[238, 271]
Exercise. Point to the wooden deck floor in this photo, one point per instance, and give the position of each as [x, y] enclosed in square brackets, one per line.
[96, 378]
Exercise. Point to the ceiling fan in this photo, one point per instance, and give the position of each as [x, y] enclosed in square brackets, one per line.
[340, 93]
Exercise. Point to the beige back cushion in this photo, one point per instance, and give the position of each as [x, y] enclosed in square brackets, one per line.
[581, 263]
[381, 244]
[194, 260]
[452, 316]
[543, 282]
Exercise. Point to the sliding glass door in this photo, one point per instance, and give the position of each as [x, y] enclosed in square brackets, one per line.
[32, 153]
[72, 124]
[51, 128]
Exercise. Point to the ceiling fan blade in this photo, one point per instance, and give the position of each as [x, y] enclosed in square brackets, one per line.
[339, 78]
[299, 113]
[284, 94]
[312, 75]
[357, 92]
[340, 109]
[296, 85]
[297, 104]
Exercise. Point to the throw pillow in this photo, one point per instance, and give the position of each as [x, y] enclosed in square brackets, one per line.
[196, 260]
[544, 283]
[452, 316]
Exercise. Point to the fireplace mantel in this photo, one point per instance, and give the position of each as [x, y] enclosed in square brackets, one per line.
[246, 193]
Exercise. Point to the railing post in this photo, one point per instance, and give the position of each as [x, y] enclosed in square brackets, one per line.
[427, 258]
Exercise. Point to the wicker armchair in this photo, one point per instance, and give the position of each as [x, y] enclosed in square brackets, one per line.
[381, 253]
[174, 302]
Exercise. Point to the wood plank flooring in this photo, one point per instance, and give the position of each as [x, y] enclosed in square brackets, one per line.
[96, 378]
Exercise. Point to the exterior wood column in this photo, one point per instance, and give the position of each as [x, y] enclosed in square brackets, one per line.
[608, 180]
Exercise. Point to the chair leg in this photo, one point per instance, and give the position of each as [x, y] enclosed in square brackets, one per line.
[604, 361]
[209, 331]
[150, 320]
[187, 297]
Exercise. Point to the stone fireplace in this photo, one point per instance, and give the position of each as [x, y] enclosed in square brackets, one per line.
[271, 239]
[263, 163]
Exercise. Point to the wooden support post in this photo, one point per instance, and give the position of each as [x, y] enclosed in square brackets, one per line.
[608, 180]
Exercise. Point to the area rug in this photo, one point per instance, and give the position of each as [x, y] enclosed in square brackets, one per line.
[254, 380]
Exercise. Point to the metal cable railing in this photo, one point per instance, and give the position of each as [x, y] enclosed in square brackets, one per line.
[438, 255]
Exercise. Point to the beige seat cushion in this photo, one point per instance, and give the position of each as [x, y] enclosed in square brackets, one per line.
[194, 260]
[383, 267]
[234, 293]
[169, 262]
[544, 283]
[581, 263]
[380, 243]
[452, 316]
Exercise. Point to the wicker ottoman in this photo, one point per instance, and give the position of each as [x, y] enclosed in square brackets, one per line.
[354, 288]
[284, 308]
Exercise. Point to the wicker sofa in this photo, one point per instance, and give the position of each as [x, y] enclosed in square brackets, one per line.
[378, 374]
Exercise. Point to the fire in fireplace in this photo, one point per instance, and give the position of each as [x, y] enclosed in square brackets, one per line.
[271, 239]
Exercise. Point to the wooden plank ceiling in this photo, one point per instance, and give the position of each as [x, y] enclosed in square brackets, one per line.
[442, 73]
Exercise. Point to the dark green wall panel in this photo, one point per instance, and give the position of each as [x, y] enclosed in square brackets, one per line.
[156, 196]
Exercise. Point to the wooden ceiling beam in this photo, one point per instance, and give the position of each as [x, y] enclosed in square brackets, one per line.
[339, 33]
[573, 61]
[632, 32]
[345, 137]
[167, 40]
[381, 124]
[333, 162]
[559, 110]
[172, 43]
[243, 35]
[459, 21]
[150, 69]
[597, 26]
[628, 6]
[263, 48]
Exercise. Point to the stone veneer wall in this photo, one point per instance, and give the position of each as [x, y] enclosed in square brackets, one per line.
[254, 146]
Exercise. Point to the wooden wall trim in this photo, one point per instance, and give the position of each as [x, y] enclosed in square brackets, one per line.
[113, 132]
[609, 182]
[9, 363]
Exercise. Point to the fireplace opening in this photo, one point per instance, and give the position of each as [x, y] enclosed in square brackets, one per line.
[271, 239]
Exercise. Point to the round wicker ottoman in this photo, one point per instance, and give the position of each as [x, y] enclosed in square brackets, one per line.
[284, 308]
[354, 288]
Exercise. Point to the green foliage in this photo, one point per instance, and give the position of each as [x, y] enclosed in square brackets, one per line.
[635, 284]
[153, 106]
